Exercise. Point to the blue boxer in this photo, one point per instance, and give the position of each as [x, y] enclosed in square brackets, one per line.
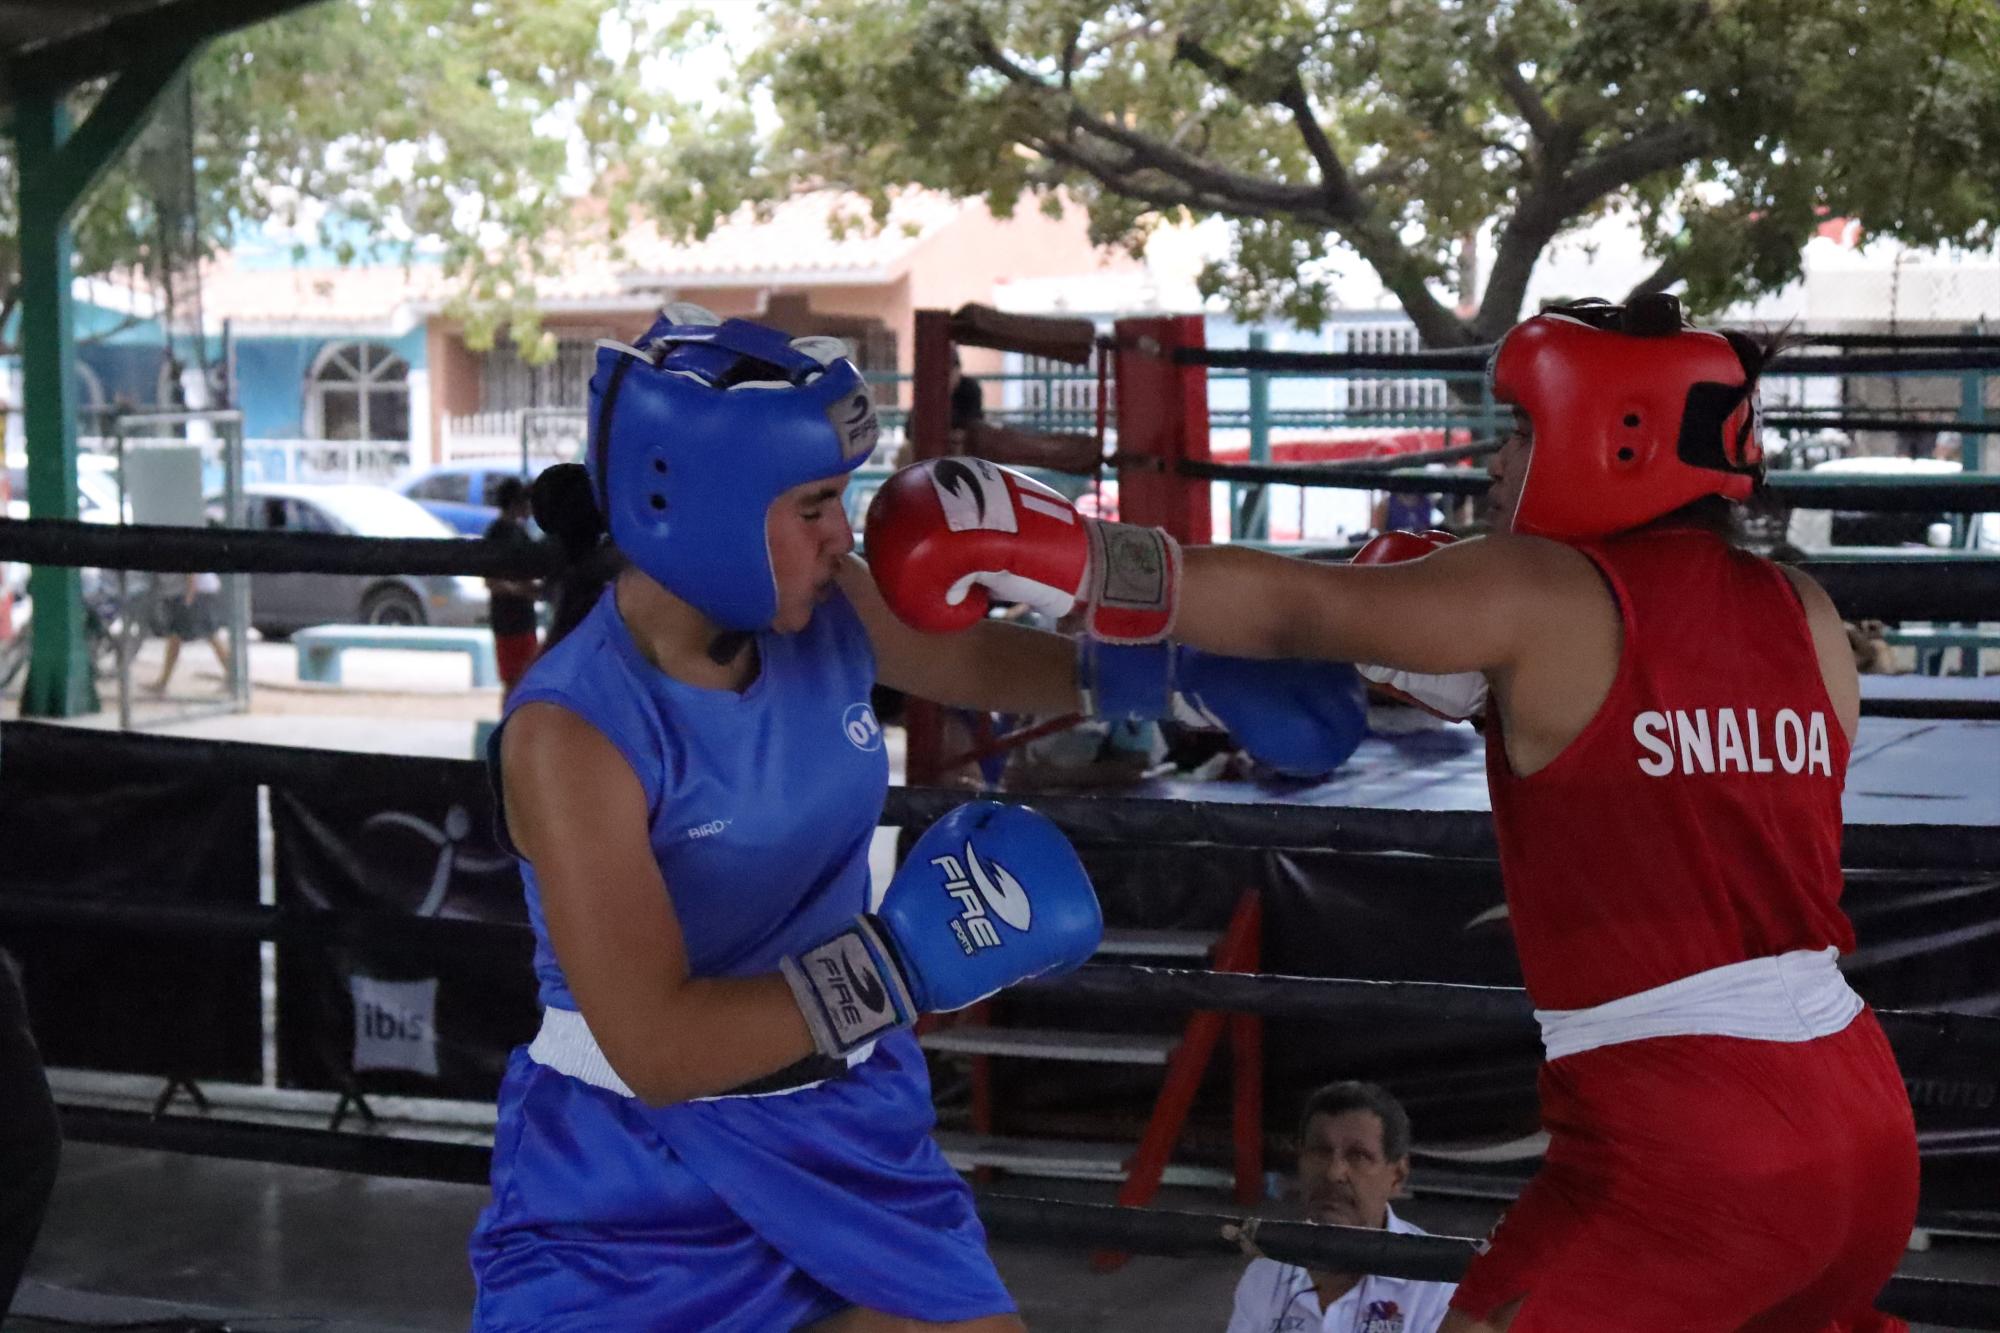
[762, 1211]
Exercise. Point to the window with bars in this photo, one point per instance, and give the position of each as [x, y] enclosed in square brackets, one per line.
[508, 384]
[1366, 395]
[1048, 394]
[359, 391]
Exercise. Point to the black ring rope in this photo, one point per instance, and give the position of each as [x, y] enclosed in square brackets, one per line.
[1933, 710]
[1172, 1233]
[1945, 494]
[1952, 586]
[1475, 359]
[1265, 995]
[1815, 421]
[30, 750]
[165, 549]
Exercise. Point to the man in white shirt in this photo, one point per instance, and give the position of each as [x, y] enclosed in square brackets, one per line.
[1354, 1156]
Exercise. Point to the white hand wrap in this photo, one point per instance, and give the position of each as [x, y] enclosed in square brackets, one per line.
[1456, 696]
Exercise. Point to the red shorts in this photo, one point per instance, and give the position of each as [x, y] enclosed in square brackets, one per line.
[513, 654]
[1711, 1183]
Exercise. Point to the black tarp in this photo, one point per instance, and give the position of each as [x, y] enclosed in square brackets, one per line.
[110, 996]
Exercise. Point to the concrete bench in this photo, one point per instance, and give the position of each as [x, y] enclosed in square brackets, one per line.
[1931, 642]
[320, 647]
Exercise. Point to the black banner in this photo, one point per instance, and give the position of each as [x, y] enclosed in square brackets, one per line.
[1926, 941]
[122, 998]
[431, 998]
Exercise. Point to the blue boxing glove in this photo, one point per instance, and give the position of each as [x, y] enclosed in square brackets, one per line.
[1300, 717]
[990, 895]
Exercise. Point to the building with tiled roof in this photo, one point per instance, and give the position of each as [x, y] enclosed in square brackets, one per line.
[321, 351]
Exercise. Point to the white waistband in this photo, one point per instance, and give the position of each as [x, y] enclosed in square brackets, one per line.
[566, 1045]
[1798, 996]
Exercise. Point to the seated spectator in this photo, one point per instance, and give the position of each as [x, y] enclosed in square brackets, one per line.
[1095, 753]
[1354, 1156]
[1400, 511]
[1872, 654]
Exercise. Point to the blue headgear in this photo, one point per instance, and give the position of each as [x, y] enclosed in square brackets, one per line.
[695, 432]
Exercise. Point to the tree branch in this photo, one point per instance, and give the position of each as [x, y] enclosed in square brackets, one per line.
[1522, 94]
[1339, 188]
[1670, 271]
[1148, 153]
[1159, 175]
[1552, 199]
[1655, 149]
[1292, 97]
[1163, 190]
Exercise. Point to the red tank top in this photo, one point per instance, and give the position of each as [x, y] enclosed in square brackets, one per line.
[1696, 819]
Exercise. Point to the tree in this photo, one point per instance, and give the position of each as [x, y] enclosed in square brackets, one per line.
[436, 126]
[1392, 130]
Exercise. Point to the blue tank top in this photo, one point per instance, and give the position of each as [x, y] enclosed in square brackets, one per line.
[761, 805]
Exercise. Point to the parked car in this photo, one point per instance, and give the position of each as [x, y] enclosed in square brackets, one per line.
[464, 495]
[282, 603]
[1817, 530]
[96, 488]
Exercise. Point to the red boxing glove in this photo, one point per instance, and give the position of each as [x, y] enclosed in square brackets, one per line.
[1393, 548]
[1456, 696]
[945, 536]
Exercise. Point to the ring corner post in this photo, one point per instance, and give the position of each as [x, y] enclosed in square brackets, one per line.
[1162, 414]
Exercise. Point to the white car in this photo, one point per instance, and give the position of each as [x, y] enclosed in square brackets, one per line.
[96, 488]
[1814, 530]
[281, 603]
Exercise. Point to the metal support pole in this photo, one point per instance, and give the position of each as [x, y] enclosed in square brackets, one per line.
[57, 165]
[1250, 505]
[1971, 408]
[59, 681]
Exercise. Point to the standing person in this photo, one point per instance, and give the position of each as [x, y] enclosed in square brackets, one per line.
[510, 606]
[30, 1136]
[1354, 1156]
[1668, 731]
[724, 1122]
[968, 403]
[193, 606]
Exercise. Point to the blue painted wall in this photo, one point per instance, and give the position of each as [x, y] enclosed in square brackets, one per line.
[270, 371]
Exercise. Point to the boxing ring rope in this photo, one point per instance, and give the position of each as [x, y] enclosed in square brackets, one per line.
[1172, 1233]
[1951, 357]
[1799, 490]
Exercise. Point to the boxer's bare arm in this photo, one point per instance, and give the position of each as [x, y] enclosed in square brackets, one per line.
[1535, 616]
[993, 666]
[1836, 659]
[1472, 606]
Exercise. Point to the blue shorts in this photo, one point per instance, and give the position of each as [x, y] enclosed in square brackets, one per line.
[761, 1214]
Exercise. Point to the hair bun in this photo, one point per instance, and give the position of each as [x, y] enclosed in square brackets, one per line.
[566, 508]
[1654, 315]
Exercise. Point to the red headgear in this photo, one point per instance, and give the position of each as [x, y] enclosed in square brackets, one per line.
[1634, 415]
